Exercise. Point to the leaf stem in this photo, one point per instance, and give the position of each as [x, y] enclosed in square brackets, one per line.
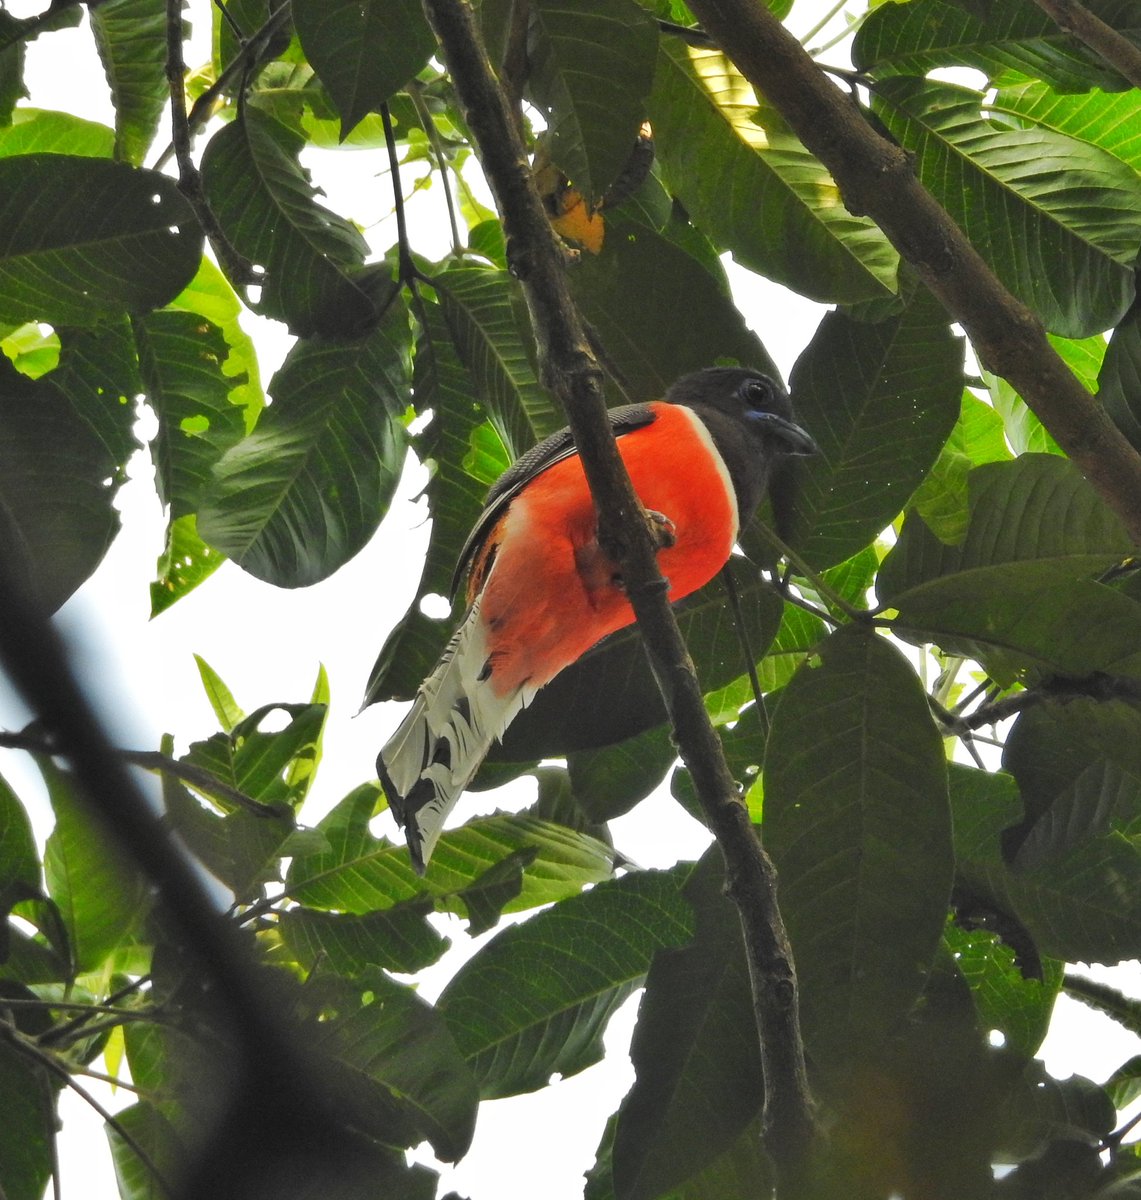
[429, 126]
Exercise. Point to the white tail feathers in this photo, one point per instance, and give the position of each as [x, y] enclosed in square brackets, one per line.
[445, 736]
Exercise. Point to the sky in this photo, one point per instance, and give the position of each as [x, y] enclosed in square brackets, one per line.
[267, 645]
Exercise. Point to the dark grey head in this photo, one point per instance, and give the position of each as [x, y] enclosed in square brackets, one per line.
[749, 416]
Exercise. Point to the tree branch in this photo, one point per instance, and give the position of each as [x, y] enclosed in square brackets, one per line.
[1102, 39]
[875, 177]
[569, 367]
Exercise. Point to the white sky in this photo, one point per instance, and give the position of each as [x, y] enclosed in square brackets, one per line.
[267, 643]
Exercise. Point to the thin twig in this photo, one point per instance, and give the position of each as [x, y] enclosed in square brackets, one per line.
[746, 648]
[568, 365]
[236, 267]
[408, 269]
[690, 34]
[1117, 50]
[416, 91]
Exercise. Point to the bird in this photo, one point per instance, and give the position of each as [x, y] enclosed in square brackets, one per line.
[541, 591]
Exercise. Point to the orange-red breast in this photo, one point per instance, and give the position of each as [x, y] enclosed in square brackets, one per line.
[541, 591]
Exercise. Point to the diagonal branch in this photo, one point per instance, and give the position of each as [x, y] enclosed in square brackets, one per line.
[570, 368]
[1102, 39]
[875, 177]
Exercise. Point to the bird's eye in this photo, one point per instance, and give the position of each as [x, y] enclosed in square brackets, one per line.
[757, 393]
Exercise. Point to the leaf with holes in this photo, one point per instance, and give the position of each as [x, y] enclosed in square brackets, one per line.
[535, 999]
[856, 816]
[1057, 220]
[82, 239]
[753, 186]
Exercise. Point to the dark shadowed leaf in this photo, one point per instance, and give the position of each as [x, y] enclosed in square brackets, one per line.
[855, 816]
[82, 239]
[592, 64]
[363, 52]
[19, 861]
[131, 38]
[382, 1035]
[880, 400]
[267, 206]
[755, 188]
[609, 781]
[57, 487]
[304, 492]
[536, 999]
[27, 1133]
[150, 1131]
[1000, 38]
[695, 1051]
[1057, 220]
[1119, 384]
[361, 873]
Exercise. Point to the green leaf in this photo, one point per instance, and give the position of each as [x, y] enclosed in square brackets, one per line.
[100, 897]
[360, 873]
[941, 499]
[42, 131]
[265, 203]
[1112, 122]
[1009, 1003]
[304, 492]
[130, 36]
[180, 358]
[150, 1129]
[491, 334]
[880, 400]
[629, 294]
[1000, 38]
[753, 186]
[592, 65]
[1037, 506]
[856, 816]
[363, 52]
[492, 891]
[186, 561]
[1119, 383]
[226, 708]
[27, 1133]
[381, 1033]
[609, 781]
[695, 1051]
[610, 693]
[19, 861]
[397, 939]
[1057, 220]
[82, 239]
[536, 999]
[797, 636]
[57, 488]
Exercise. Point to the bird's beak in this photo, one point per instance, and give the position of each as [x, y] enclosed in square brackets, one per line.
[792, 438]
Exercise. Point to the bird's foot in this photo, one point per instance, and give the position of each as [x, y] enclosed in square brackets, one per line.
[662, 529]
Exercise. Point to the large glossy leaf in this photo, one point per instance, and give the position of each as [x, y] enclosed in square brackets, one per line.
[1081, 906]
[941, 499]
[57, 487]
[99, 896]
[304, 492]
[592, 64]
[856, 817]
[131, 38]
[1037, 506]
[1110, 121]
[492, 336]
[610, 693]
[754, 188]
[999, 38]
[1119, 383]
[267, 206]
[695, 1051]
[42, 131]
[361, 873]
[181, 357]
[382, 1035]
[880, 400]
[82, 239]
[1059, 221]
[536, 999]
[658, 309]
[363, 52]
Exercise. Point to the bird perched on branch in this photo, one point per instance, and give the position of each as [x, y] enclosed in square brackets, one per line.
[541, 590]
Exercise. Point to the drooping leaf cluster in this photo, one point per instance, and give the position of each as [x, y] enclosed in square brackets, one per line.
[932, 905]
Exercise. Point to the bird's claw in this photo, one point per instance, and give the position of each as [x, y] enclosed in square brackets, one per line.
[662, 529]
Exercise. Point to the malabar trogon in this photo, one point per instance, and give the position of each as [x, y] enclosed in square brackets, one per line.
[540, 589]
